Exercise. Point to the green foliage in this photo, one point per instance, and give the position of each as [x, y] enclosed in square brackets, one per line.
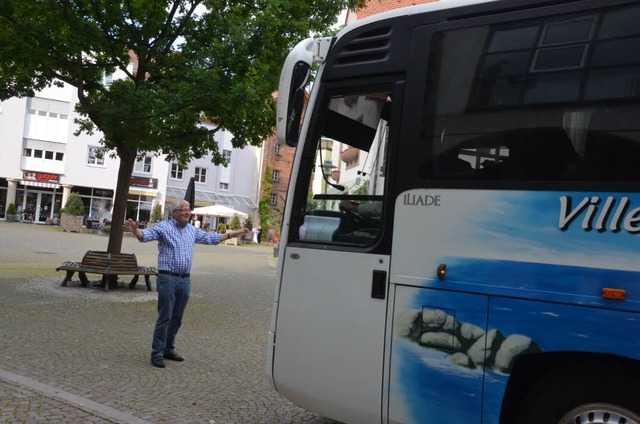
[11, 209]
[312, 204]
[156, 213]
[195, 59]
[235, 222]
[264, 206]
[222, 228]
[106, 229]
[249, 222]
[60, 212]
[362, 189]
[74, 205]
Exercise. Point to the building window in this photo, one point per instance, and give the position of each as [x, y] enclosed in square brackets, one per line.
[224, 176]
[176, 172]
[143, 166]
[201, 175]
[273, 201]
[275, 175]
[276, 148]
[224, 186]
[28, 152]
[92, 156]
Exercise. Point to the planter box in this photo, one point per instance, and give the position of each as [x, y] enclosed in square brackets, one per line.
[11, 218]
[233, 241]
[71, 223]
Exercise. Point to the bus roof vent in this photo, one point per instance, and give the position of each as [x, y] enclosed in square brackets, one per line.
[367, 47]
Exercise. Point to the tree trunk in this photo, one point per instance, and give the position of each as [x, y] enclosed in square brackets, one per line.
[127, 161]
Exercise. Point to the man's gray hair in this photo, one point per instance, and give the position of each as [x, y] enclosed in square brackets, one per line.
[178, 204]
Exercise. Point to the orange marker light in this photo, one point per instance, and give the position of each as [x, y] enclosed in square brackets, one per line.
[442, 271]
[615, 294]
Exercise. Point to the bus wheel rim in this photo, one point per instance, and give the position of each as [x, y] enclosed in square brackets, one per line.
[600, 413]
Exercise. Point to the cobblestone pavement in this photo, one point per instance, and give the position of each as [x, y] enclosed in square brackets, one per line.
[81, 355]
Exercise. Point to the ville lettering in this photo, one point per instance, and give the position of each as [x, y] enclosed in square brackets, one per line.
[612, 214]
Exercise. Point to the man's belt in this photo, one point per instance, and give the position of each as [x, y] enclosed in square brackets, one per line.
[175, 274]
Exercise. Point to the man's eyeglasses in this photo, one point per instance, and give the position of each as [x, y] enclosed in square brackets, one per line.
[182, 210]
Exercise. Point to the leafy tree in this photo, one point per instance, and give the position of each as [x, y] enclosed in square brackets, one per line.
[193, 60]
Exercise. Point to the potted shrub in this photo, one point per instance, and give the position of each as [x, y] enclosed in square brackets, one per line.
[234, 225]
[156, 213]
[11, 212]
[71, 218]
[56, 220]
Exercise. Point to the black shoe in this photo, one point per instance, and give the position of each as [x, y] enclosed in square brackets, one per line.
[172, 356]
[157, 361]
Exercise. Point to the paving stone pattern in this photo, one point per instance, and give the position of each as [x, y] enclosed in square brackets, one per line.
[81, 355]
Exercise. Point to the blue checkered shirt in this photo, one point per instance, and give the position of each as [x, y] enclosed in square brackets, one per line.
[175, 244]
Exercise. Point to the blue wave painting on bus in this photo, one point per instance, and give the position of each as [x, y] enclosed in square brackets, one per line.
[524, 278]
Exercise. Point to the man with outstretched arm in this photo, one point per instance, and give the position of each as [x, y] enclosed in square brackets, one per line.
[176, 240]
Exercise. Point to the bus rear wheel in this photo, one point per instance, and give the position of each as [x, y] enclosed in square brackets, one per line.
[582, 398]
[600, 413]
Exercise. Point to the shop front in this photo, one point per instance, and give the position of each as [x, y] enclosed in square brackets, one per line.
[142, 193]
[39, 197]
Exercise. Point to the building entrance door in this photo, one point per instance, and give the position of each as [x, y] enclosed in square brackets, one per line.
[45, 206]
[37, 206]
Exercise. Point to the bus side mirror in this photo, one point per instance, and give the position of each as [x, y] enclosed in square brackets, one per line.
[295, 103]
[291, 88]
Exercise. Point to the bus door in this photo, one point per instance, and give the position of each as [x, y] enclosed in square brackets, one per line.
[438, 336]
[332, 301]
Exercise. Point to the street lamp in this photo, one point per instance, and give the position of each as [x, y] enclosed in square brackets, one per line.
[326, 166]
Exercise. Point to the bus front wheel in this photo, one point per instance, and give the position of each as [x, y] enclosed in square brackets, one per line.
[587, 399]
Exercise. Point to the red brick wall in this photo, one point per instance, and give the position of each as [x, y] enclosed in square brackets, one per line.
[378, 6]
[282, 162]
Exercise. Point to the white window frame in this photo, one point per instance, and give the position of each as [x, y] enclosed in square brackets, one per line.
[91, 153]
[141, 164]
[176, 173]
[200, 175]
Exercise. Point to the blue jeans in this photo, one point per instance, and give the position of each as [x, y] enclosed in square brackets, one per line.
[173, 294]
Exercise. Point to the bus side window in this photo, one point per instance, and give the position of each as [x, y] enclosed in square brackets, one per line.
[346, 172]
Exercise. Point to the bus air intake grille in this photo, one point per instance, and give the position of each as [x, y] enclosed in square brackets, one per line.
[372, 46]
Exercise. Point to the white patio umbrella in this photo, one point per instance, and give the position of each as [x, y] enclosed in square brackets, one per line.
[219, 210]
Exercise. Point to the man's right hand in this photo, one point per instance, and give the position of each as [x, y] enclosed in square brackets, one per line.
[130, 225]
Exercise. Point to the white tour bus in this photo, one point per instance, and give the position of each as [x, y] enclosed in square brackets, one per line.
[461, 236]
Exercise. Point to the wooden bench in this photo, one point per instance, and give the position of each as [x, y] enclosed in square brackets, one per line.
[107, 264]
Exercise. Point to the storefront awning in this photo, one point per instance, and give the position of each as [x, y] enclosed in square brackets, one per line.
[39, 184]
[206, 197]
[143, 191]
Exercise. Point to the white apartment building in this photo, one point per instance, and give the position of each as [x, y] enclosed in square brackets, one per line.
[43, 162]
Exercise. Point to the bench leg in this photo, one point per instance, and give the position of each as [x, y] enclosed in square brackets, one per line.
[105, 282]
[134, 281]
[67, 278]
[84, 279]
[147, 279]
